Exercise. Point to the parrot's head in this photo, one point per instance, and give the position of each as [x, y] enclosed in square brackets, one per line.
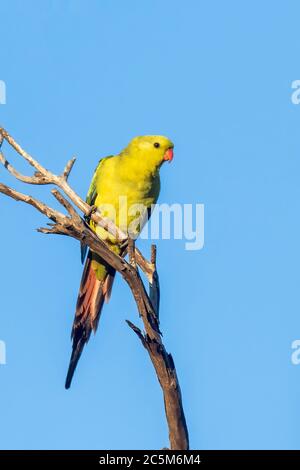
[153, 149]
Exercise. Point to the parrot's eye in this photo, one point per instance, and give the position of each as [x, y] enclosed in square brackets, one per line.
[156, 145]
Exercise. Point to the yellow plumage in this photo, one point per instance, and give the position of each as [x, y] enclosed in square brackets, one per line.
[122, 187]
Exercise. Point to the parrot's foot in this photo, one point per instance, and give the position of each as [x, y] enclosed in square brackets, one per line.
[91, 211]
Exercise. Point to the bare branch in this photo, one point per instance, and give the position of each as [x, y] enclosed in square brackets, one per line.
[144, 264]
[137, 331]
[131, 252]
[68, 168]
[43, 176]
[40, 206]
[66, 204]
[25, 179]
[25, 155]
[148, 305]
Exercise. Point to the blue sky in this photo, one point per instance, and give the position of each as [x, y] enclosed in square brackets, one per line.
[82, 78]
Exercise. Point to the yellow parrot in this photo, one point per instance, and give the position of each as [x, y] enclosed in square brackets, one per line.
[128, 180]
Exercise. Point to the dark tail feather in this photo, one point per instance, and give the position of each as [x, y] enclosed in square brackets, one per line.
[92, 294]
[78, 345]
[83, 251]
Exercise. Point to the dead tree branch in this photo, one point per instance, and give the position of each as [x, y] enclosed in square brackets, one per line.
[73, 225]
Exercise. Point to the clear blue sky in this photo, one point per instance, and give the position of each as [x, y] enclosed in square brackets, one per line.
[83, 78]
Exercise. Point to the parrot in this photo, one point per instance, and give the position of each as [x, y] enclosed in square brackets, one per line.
[131, 176]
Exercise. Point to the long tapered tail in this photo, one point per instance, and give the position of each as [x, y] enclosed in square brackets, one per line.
[92, 294]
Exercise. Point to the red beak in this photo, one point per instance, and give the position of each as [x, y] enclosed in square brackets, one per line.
[169, 155]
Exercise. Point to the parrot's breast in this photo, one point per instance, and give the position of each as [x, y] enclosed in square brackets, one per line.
[124, 190]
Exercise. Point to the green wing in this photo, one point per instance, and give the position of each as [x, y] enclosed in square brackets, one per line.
[91, 199]
[92, 192]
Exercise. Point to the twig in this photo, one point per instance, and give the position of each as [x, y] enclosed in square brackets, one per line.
[146, 266]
